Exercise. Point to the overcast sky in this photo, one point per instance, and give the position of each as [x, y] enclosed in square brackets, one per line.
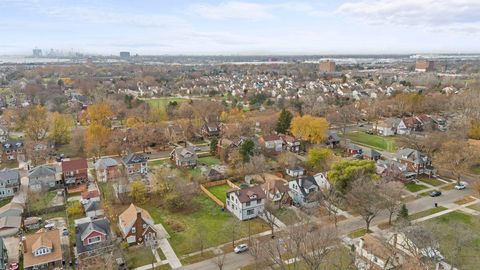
[241, 27]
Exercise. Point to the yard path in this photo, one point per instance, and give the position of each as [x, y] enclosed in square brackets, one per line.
[169, 253]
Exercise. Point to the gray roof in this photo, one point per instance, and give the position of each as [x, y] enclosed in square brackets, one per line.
[92, 206]
[305, 183]
[105, 162]
[101, 225]
[9, 174]
[183, 153]
[10, 222]
[412, 155]
[41, 171]
[134, 158]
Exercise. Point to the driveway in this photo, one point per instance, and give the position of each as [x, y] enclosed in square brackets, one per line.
[12, 244]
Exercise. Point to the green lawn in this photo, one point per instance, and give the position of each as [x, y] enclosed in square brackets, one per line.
[10, 164]
[446, 229]
[432, 181]
[208, 221]
[285, 215]
[412, 187]
[220, 191]
[209, 160]
[428, 212]
[358, 233]
[195, 172]
[138, 256]
[475, 207]
[50, 215]
[475, 169]
[163, 102]
[40, 200]
[5, 201]
[157, 162]
[373, 141]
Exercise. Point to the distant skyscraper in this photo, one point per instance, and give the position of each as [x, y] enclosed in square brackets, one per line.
[37, 52]
[327, 66]
[424, 66]
[125, 54]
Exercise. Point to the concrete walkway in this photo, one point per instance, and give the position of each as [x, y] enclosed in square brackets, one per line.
[277, 222]
[169, 253]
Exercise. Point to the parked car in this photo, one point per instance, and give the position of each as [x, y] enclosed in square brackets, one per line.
[197, 149]
[241, 248]
[50, 226]
[460, 186]
[435, 193]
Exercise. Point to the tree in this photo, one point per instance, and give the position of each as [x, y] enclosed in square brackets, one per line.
[403, 216]
[346, 171]
[309, 128]
[320, 159]
[100, 113]
[284, 120]
[420, 240]
[365, 199]
[270, 218]
[246, 150]
[392, 196]
[457, 157]
[220, 260]
[36, 123]
[331, 199]
[213, 146]
[60, 128]
[233, 229]
[138, 192]
[200, 239]
[344, 116]
[96, 139]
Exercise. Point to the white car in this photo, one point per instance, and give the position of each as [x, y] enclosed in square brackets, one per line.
[241, 248]
[459, 186]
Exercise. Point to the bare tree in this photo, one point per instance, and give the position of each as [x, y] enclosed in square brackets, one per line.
[269, 217]
[421, 244]
[331, 199]
[220, 260]
[392, 197]
[364, 198]
[456, 156]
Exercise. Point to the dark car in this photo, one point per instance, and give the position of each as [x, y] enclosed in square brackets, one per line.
[435, 193]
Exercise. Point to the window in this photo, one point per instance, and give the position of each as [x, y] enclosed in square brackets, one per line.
[133, 230]
[144, 225]
[250, 212]
[259, 201]
[247, 203]
[94, 240]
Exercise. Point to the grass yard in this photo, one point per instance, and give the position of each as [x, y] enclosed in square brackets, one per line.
[50, 215]
[412, 187]
[475, 169]
[285, 215]
[197, 258]
[358, 233]
[449, 186]
[138, 256]
[220, 191]
[465, 200]
[5, 201]
[428, 212]
[373, 141]
[195, 172]
[10, 164]
[40, 200]
[207, 223]
[431, 181]
[475, 207]
[446, 229]
[158, 162]
[163, 102]
[209, 160]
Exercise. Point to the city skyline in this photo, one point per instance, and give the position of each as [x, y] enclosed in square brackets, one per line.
[241, 27]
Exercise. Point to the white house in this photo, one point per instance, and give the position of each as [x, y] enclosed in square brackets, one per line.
[402, 128]
[272, 143]
[295, 171]
[321, 180]
[301, 189]
[246, 203]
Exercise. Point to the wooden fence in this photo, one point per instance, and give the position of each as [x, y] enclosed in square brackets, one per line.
[204, 187]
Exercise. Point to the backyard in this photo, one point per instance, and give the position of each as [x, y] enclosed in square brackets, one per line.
[463, 253]
[373, 141]
[163, 102]
[209, 160]
[220, 191]
[207, 223]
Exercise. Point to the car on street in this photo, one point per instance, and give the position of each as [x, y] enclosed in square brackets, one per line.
[460, 186]
[197, 149]
[435, 193]
[241, 248]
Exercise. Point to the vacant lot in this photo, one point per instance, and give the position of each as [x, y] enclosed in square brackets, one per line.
[220, 191]
[372, 141]
[462, 253]
[207, 224]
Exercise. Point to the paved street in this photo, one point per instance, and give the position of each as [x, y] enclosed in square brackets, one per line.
[232, 262]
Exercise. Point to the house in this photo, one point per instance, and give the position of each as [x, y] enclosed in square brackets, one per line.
[136, 225]
[332, 139]
[10, 219]
[369, 153]
[75, 172]
[91, 195]
[184, 156]
[395, 170]
[290, 143]
[93, 209]
[212, 174]
[271, 143]
[353, 149]
[276, 190]
[175, 134]
[322, 181]
[3, 255]
[387, 127]
[43, 178]
[106, 169]
[415, 161]
[92, 236]
[135, 165]
[295, 171]
[42, 250]
[301, 189]
[226, 146]
[9, 183]
[246, 203]
[403, 128]
[376, 253]
[3, 134]
[12, 149]
[211, 129]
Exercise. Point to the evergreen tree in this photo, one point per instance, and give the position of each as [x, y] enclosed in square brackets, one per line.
[213, 146]
[283, 124]
[403, 214]
[246, 150]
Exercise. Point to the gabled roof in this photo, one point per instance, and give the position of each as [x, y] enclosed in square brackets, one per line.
[184, 153]
[92, 206]
[134, 158]
[128, 217]
[41, 171]
[305, 183]
[99, 225]
[51, 238]
[412, 155]
[75, 164]
[105, 162]
[10, 222]
[271, 137]
[42, 241]
[9, 174]
[248, 194]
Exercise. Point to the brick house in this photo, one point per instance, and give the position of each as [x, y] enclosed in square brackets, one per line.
[75, 172]
[11, 150]
[136, 225]
[106, 169]
[290, 143]
[415, 161]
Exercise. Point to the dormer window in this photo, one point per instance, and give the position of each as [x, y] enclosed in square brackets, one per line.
[133, 230]
[252, 197]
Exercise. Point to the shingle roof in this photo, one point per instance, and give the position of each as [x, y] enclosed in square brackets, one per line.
[73, 165]
[105, 162]
[128, 217]
[41, 171]
[92, 206]
[30, 260]
[245, 194]
[9, 174]
[133, 158]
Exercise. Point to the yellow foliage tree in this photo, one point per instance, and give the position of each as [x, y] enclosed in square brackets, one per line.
[96, 139]
[60, 128]
[100, 113]
[138, 192]
[309, 128]
[474, 130]
[36, 124]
